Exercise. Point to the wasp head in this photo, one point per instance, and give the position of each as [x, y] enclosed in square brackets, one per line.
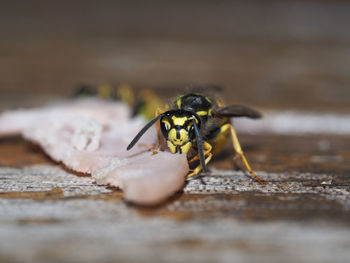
[178, 129]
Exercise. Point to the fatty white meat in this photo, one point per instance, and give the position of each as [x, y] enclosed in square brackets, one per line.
[13, 122]
[146, 179]
[91, 136]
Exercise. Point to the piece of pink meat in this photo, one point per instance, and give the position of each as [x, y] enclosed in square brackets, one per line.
[146, 179]
[91, 136]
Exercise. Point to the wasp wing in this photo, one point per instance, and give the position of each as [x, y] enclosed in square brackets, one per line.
[236, 111]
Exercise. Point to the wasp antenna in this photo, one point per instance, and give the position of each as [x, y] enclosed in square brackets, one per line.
[144, 129]
[200, 147]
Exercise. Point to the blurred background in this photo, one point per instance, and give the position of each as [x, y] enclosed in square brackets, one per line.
[292, 54]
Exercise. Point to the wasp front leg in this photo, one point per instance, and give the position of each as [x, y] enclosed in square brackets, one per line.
[238, 149]
[207, 153]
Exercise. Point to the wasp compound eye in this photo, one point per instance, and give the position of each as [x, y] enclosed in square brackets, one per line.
[165, 126]
[191, 132]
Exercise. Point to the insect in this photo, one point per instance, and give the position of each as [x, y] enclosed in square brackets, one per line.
[199, 126]
[105, 91]
[144, 102]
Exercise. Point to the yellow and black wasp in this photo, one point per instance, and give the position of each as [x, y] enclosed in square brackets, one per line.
[144, 102]
[199, 126]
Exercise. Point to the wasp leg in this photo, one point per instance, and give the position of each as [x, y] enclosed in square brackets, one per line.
[238, 150]
[207, 149]
[207, 152]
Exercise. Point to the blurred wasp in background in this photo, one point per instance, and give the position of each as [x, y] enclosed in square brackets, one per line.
[199, 125]
[143, 102]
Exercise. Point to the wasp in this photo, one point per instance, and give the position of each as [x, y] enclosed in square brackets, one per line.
[143, 103]
[199, 126]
